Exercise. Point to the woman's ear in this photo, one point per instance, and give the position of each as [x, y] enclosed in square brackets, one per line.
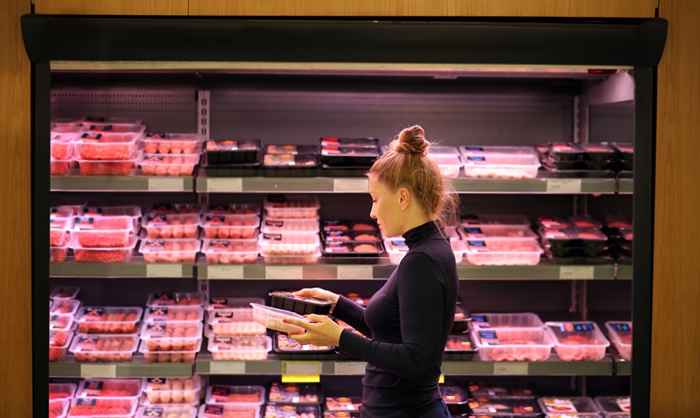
[404, 198]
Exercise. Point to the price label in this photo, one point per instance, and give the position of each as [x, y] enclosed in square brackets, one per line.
[351, 185]
[360, 272]
[563, 185]
[227, 367]
[294, 378]
[510, 369]
[166, 184]
[224, 185]
[284, 272]
[164, 270]
[304, 368]
[98, 370]
[349, 368]
[576, 272]
[224, 272]
[441, 379]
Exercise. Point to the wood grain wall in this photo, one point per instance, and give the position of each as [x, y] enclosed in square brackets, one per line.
[676, 310]
[15, 300]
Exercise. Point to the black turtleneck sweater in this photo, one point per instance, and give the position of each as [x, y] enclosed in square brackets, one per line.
[405, 327]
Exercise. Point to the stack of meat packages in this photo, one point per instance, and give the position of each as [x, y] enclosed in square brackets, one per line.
[63, 307]
[573, 240]
[587, 160]
[349, 238]
[500, 162]
[290, 231]
[232, 332]
[172, 327]
[94, 234]
[231, 234]
[620, 238]
[170, 154]
[499, 240]
[348, 152]
[171, 234]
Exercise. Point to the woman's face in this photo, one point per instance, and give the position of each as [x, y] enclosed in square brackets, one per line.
[386, 207]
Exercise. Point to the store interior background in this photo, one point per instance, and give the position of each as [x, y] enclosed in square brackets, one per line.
[676, 312]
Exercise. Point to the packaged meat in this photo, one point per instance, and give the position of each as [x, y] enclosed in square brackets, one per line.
[108, 146]
[347, 249]
[477, 232]
[341, 414]
[331, 227]
[289, 247]
[342, 403]
[480, 220]
[224, 227]
[167, 411]
[61, 293]
[331, 142]
[568, 405]
[575, 341]
[303, 306]
[291, 149]
[175, 299]
[449, 164]
[121, 127]
[235, 395]
[281, 393]
[61, 322]
[97, 347]
[172, 356]
[348, 156]
[58, 344]
[59, 231]
[170, 250]
[62, 145]
[171, 336]
[58, 408]
[292, 411]
[108, 320]
[107, 167]
[96, 232]
[505, 407]
[97, 221]
[224, 251]
[62, 390]
[232, 152]
[565, 152]
[168, 165]
[103, 407]
[273, 318]
[172, 143]
[239, 307]
[499, 166]
[459, 344]
[598, 152]
[159, 226]
[290, 160]
[291, 208]
[109, 214]
[488, 391]
[461, 322]
[228, 323]
[64, 307]
[242, 347]
[92, 119]
[236, 211]
[503, 252]
[613, 404]
[506, 320]
[60, 167]
[158, 390]
[620, 333]
[352, 237]
[229, 411]
[396, 248]
[282, 344]
[455, 397]
[513, 344]
[66, 211]
[158, 314]
[110, 388]
[525, 154]
[281, 225]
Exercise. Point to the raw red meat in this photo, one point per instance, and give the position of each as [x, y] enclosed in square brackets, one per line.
[57, 407]
[231, 251]
[228, 411]
[171, 390]
[244, 347]
[172, 226]
[223, 394]
[58, 254]
[172, 336]
[233, 227]
[109, 320]
[109, 147]
[291, 411]
[172, 143]
[169, 165]
[58, 344]
[65, 307]
[91, 348]
[60, 168]
[61, 390]
[97, 407]
[170, 251]
[169, 357]
[173, 313]
[106, 168]
[95, 256]
[342, 403]
[110, 388]
[292, 393]
[175, 299]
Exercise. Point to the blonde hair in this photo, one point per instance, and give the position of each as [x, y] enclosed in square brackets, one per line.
[406, 164]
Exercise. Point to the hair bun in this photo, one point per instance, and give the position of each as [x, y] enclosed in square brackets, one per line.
[412, 141]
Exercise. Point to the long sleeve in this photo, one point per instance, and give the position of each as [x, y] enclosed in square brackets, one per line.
[422, 324]
[352, 313]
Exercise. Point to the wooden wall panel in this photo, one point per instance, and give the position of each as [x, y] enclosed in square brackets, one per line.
[578, 8]
[676, 311]
[15, 299]
[112, 7]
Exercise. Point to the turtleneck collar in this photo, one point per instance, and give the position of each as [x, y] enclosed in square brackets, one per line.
[419, 233]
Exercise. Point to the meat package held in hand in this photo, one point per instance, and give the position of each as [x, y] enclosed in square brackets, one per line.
[575, 341]
[229, 411]
[167, 411]
[235, 395]
[61, 390]
[102, 407]
[285, 344]
[110, 388]
[96, 347]
[172, 143]
[175, 299]
[244, 347]
[513, 344]
[225, 227]
[171, 336]
[109, 320]
[156, 314]
[223, 251]
[170, 250]
[160, 390]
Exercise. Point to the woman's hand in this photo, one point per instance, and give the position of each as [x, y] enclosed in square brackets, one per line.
[318, 293]
[320, 330]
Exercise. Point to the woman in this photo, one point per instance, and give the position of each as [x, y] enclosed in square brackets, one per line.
[406, 323]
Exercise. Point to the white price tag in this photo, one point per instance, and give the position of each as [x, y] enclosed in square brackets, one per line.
[163, 270]
[510, 369]
[361, 272]
[349, 368]
[227, 367]
[224, 272]
[351, 185]
[563, 185]
[224, 185]
[576, 272]
[167, 184]
[98, 370]
[284, 272]
[303, 368]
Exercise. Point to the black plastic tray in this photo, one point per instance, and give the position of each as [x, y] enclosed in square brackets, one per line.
[233, 157]
[287, 301]
[377, 244]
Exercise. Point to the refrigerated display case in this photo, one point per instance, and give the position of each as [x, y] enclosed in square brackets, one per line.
[238, 138]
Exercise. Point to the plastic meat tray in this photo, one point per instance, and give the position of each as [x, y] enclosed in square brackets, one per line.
[513, 344]
[232, 152]
[110, 388]
[158, 390]
[229, 411]
[167, 411]
[175, 299]
[302, 306]
[503, 252]
[620, 333]
[96, 347]
[108, 320]
[172, 143]
[225, 227]
[248, 347]
[243, 251]
[235, 395]
[567, 405]
[574, 341]
[506, 320]
[170, 250]
[273, 318]
[306, 394]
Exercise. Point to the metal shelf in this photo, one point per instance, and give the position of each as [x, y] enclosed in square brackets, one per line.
[121, 184]
[625, 186]
[137, 368]
[133, 269]
[622, 367]
[625, 272]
